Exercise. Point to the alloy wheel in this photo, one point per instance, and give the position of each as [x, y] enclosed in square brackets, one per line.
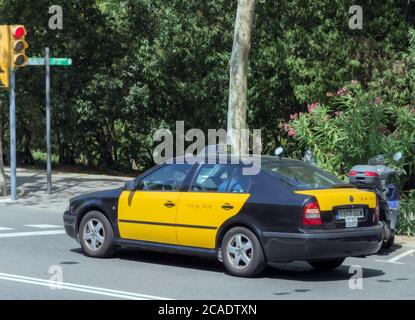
[94, 234]
[239, 251]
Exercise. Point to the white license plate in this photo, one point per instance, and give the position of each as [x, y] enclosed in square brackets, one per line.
[344, 214]
[351, 222]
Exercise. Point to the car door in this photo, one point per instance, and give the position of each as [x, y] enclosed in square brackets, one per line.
[149, 212]
[215, 195]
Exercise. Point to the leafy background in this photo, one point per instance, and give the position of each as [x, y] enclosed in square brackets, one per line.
[140, 65]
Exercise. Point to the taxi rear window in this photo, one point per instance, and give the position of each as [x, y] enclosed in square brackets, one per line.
[301, 176]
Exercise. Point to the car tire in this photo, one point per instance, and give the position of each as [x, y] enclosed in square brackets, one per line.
[242, 253]
[388, 243]
[327, 264]
[96, 235]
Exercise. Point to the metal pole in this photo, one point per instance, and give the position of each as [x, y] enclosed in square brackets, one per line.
[48, 142]
[13, 134]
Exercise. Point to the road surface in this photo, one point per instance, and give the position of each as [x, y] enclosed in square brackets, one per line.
[38, 261]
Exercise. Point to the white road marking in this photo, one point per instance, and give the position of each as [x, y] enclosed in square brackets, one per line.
[5, 229]
[43, 226]
[398, 257]
[79, 288]
[30, 234]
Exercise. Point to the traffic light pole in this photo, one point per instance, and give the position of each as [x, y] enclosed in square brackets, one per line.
[48, 125]
[13, 134]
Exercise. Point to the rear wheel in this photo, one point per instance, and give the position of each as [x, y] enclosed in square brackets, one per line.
[388, 243]
[242, 253]
[327, 264]
[96, 235]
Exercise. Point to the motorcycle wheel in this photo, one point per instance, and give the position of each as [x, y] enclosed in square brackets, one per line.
[388, 243]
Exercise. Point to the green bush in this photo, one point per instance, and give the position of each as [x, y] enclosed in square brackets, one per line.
[354, 125]
[406, 220]
[40, 158]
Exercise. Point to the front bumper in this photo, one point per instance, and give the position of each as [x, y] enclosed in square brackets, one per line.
[69, 222]
[322, 244]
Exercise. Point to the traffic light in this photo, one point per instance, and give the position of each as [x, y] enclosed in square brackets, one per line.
[18, 46]
[4, 56]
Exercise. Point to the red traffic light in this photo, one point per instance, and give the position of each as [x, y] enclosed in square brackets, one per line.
[19, 32]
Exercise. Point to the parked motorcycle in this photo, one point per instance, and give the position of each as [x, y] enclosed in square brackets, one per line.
[384, 181]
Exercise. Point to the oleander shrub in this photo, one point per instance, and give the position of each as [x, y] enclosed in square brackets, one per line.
[406, 219]
[353, 125]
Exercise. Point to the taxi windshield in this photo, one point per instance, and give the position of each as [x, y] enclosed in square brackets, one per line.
[300, 175]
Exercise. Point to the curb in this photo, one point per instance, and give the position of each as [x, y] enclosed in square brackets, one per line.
[6, 199]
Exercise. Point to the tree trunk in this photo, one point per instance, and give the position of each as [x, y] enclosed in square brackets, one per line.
[238, 87]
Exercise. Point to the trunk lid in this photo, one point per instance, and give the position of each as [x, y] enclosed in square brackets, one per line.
[341, 207]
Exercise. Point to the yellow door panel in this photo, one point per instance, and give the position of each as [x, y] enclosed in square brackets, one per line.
[148, 216]
[200, 215]
[329, 198]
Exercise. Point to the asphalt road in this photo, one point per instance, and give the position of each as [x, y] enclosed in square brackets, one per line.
[35, 252]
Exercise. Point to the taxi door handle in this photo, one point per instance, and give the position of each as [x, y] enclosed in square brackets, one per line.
[169, 204]
[227, 206]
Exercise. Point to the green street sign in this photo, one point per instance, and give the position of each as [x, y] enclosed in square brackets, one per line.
[60, 61]
[52, 61]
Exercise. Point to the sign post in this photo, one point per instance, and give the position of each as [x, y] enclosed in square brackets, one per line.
[47, 61]
[48, 125]
[13, 134]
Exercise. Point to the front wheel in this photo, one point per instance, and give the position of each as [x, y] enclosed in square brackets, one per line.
[242, 253]
[327, 264]
[96, 235]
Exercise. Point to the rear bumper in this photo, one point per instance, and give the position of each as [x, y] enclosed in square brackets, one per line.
[314, 245]
[69, 222]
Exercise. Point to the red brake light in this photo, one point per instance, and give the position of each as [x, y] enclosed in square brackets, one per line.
[353, 173]
[371, 174]
[311, 214]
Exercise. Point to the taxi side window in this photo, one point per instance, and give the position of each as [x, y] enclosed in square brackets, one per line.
[239, 183]
[212, 178]
[168, 178]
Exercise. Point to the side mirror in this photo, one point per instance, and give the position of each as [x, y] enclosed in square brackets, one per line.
[397, 156]
[130, 185]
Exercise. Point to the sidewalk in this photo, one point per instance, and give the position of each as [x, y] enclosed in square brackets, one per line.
[32, 190]
[405, 241]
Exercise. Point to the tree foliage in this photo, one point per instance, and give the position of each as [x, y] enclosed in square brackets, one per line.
[144, 64]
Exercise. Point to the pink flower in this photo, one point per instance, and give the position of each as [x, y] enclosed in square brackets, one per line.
[341, 91]
[312, 107]
[338, 113]
[354, 82]
[383, 129]
[378, 100]
[293, 116]
[413, 110]
[291, 132]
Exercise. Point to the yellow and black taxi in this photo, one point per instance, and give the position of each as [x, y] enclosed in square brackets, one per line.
[289, 211]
